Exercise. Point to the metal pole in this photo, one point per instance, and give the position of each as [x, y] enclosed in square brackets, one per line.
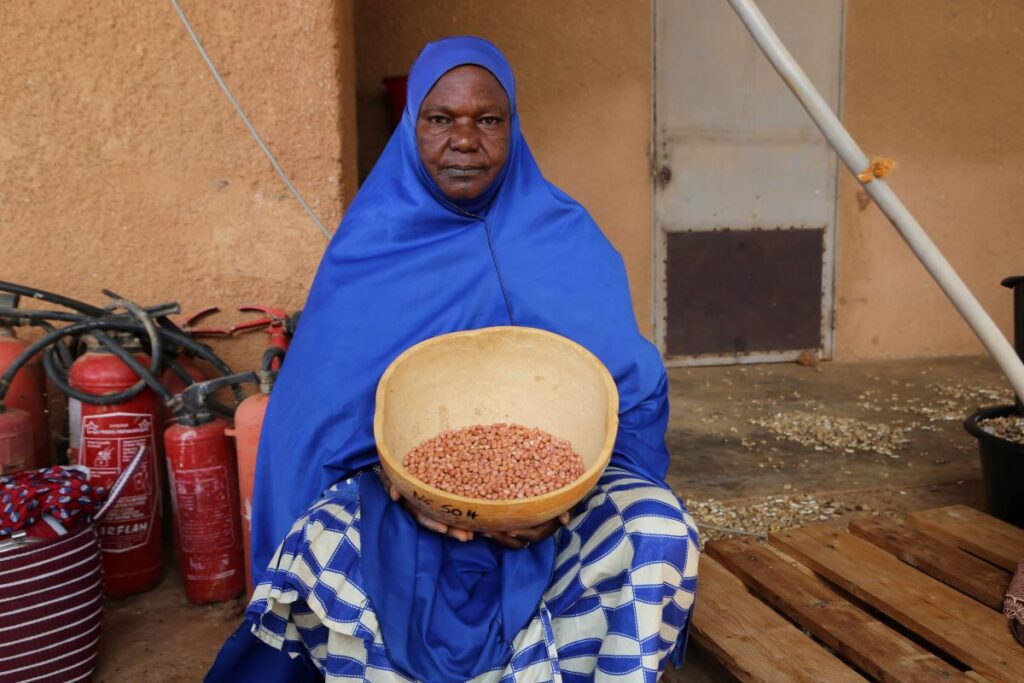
[855, 159]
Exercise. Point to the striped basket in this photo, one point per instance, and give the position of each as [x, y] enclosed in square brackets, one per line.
[51, 603]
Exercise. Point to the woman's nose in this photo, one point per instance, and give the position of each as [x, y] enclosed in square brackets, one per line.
[465, 136]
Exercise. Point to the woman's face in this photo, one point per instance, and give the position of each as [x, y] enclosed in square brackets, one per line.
[463, 131]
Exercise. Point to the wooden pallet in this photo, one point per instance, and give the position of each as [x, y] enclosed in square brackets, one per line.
[886, 600]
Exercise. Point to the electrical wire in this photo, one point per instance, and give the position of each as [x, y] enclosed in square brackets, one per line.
[245, 119]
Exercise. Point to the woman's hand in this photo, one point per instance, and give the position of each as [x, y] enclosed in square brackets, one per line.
[514, 539]
[520, 538]
[424, 521]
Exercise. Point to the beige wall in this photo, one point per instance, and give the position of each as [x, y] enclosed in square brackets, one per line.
[939, 86]
[936, 85]
[583, 73]
[123, 166]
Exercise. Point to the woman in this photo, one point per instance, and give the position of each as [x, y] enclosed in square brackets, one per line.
[457, 229]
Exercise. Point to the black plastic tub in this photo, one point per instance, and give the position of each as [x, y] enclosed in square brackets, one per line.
[1002, 467]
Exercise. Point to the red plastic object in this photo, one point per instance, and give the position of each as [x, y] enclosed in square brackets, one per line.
[105, 438]
[204, 496]
[396, 90]
[27, 392]
[248, 424]
[15, 441]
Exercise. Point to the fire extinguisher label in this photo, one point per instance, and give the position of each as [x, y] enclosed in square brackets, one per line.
[75, 423]
[203, 497]
[109, 442]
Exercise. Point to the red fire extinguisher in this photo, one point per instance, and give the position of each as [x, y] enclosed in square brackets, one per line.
[248, 425]
[108, 423]
[27, 390]
[204, 496]
[15, 440]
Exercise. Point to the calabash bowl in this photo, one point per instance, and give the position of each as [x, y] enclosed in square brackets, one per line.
[519, 375]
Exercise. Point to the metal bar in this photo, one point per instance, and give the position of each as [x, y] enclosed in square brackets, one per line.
[901, 218]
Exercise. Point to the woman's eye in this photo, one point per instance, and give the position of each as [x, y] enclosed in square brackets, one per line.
[490, 120]
[438, 120]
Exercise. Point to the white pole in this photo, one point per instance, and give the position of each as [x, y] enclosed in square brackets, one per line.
[911, 231]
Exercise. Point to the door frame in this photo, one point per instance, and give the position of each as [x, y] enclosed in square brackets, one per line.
[659, 238]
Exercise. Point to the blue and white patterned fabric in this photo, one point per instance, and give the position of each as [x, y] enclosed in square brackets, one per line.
[617, 607]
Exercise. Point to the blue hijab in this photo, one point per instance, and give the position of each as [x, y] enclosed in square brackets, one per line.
[407, 264]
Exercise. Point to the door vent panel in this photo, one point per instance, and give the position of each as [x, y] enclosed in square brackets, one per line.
[735, 292]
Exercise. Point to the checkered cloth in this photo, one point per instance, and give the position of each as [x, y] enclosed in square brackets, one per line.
[1013, 604]
[617, 607]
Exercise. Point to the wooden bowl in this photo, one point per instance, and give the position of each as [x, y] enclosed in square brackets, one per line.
[497, 374]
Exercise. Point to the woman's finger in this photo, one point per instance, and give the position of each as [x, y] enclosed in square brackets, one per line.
[505, 540]
[534, 534]
[393, 493]
[431, 524]
[541, 531]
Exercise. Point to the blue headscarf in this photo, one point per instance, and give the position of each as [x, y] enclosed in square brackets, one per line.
[407, 264]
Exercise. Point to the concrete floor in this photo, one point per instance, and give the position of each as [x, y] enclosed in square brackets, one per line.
[723, 450]
[734, 461]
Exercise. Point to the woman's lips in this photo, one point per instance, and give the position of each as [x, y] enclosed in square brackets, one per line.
[463, 171]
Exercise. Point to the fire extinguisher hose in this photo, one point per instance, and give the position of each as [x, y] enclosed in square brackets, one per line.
[156, 347]
[179, 372]
[144, 315]
[88, 326]
[57, 358]
[119, 324]
[57, 354]
[83, 308]
[62, 351]
[50, 297]
[269, 356]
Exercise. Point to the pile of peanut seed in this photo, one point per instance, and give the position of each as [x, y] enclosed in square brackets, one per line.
[760, 516]
[833, 433]
[1010, 428]
[495, 462]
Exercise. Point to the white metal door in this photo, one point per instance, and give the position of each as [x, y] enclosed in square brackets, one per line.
[745, 185]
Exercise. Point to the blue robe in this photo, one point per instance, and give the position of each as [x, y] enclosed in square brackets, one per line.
[407, 264]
